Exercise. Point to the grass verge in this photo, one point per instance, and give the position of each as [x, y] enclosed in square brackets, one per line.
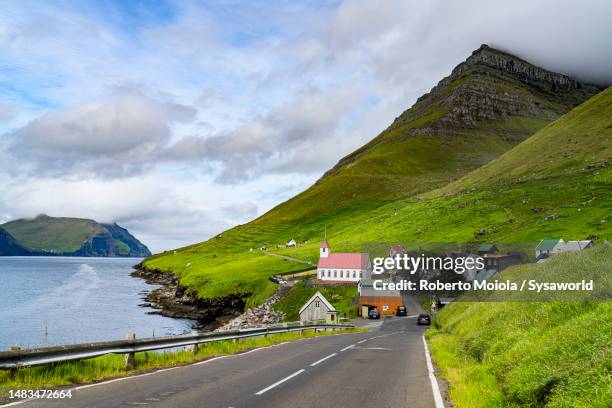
[528, 354]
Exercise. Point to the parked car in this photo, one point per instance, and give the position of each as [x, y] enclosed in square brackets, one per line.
[423, 319]
[401, 311]
[373, 314]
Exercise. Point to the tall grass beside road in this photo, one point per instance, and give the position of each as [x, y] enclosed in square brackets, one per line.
[528, 354]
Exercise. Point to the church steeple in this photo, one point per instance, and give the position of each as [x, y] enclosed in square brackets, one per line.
[325, 249]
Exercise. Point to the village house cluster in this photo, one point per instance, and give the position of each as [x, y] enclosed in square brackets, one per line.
[355, 268]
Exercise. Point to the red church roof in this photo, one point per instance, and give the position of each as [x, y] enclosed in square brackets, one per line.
[340, 260]
[324, 244]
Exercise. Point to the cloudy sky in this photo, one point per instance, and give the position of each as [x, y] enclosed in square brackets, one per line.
[180, 119]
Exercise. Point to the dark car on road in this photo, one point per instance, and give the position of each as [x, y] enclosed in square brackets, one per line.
[401, 311]
[423, 319]
[373, 314]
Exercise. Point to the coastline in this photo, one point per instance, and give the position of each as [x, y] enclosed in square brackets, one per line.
[173, 300]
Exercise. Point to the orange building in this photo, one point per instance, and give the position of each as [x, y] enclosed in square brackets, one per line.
[386, 301]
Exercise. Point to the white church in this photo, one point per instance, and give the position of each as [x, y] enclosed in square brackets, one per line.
[341, 267]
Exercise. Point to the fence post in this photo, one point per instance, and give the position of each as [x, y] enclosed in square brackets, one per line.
[129, 357]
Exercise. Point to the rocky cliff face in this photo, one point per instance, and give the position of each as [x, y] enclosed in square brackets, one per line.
[10, 247]
[113, 241]
[493, 93]
[492, 96]
[133, 246]
[520, 68]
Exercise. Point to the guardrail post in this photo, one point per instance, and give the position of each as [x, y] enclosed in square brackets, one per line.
[13, 370]
[129, 357]
[194, 347]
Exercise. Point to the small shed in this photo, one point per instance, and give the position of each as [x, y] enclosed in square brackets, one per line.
[291, 243]
[318, 308]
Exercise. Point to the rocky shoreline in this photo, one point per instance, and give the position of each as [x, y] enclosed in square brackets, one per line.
[174, 300]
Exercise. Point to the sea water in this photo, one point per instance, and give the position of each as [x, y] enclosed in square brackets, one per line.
[47, 301]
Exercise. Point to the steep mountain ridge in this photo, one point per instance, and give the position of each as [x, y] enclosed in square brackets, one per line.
[487, 105]
[373, 195]
[46, 235]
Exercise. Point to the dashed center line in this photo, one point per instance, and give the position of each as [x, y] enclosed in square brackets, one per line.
[347, 347]
[362, 341]
[323, 359]
[276, 384]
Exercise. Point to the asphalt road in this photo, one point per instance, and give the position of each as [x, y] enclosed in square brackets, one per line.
[382, 368]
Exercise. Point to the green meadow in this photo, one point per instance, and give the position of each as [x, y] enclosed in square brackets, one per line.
[551, 185]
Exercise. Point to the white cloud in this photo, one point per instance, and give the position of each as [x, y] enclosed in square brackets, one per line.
[174, 124]
[113, 137]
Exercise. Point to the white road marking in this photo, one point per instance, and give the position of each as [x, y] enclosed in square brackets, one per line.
[375, 348]
[12, 404]
[276, 384]
[322, 360]
[82, 387]
[432, 378]
[347, 347]
[362, 341]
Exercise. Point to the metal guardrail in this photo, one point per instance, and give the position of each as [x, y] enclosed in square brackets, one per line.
[34, 357]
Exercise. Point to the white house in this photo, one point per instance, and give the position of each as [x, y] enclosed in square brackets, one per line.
[549, 247]
[576, 245]
[291, 243]
[341, 267]
[317, 308]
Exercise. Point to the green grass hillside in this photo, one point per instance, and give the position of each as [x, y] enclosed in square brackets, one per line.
[575, 143]
[371, 195]
[45, 233]
[538, 354]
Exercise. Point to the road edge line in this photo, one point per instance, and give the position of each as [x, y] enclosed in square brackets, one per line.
[438, 401]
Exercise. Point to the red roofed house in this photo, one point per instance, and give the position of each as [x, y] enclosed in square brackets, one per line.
[341, 267]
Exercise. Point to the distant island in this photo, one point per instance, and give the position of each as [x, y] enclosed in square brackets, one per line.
[60, 236]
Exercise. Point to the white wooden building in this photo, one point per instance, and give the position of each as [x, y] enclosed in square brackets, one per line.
[341, 267]
[318, 308]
